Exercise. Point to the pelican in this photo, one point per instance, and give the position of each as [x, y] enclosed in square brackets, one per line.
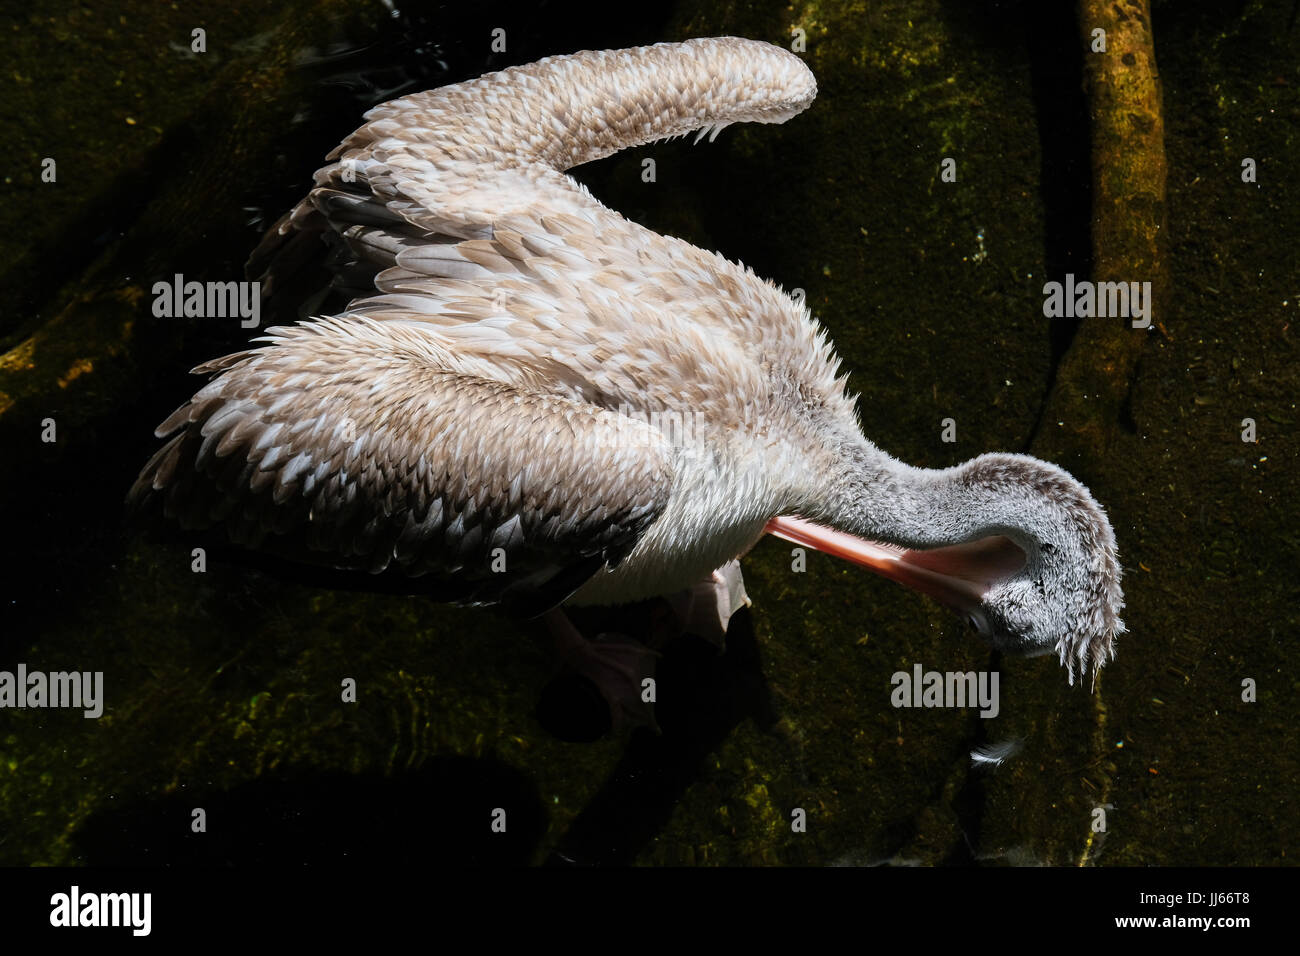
[529, 400]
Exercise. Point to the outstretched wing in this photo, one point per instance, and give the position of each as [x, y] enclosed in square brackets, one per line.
[421, 156]
[452, 207]
[357, 445]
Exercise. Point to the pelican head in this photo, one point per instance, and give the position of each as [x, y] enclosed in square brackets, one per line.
[1065, 596]
[1014, 544]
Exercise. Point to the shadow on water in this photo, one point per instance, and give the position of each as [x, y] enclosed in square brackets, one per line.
[703, 696]
[1048, 34]
[333, 817]
[322, 818]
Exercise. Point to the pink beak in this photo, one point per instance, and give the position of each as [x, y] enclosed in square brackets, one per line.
[958, 575]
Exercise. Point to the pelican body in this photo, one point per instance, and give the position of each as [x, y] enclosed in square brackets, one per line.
[530, 400]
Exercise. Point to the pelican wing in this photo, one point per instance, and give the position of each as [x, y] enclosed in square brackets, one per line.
[419, 167]
[357, 445]
[453, 208]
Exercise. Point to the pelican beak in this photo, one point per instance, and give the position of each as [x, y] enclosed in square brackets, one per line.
[958, 575]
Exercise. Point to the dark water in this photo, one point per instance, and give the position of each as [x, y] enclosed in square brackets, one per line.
[223, 687]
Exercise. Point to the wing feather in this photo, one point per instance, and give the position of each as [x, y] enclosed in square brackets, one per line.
[391, 460]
